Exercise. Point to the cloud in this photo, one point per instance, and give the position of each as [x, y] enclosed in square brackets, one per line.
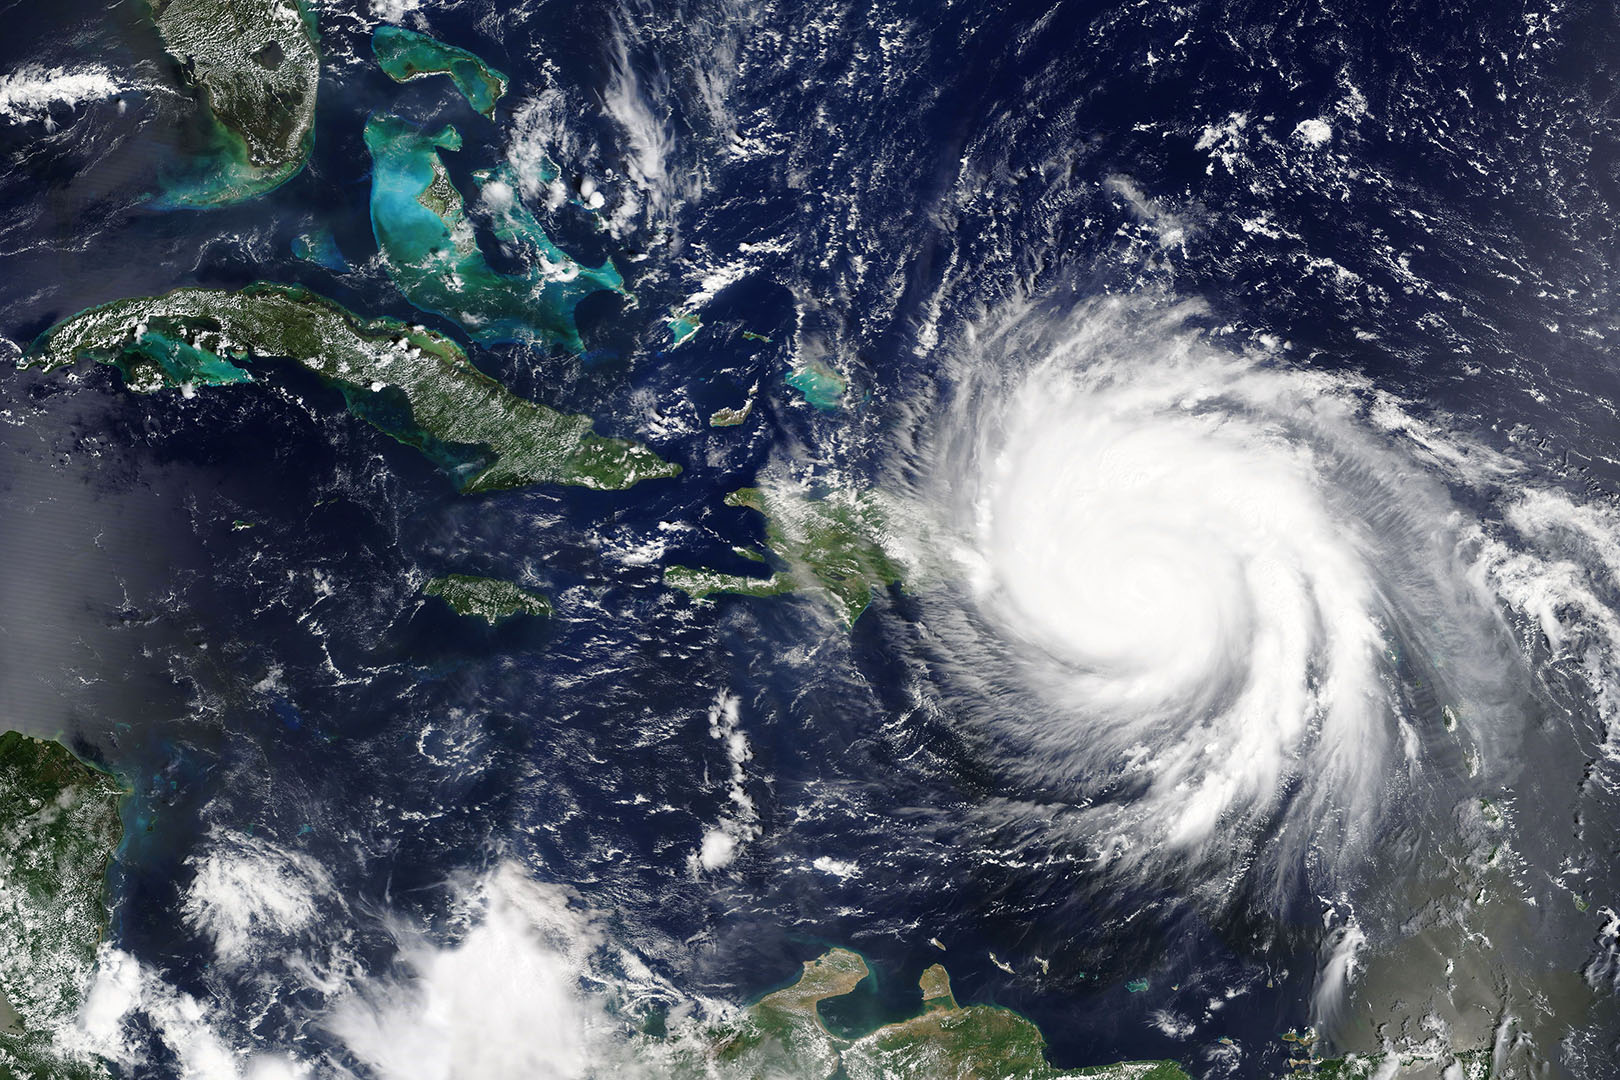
[29, 92]
[247, 889]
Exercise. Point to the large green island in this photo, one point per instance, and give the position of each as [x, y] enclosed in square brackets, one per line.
[830, 547]
[255, 68]
[59, 819]
[490, 599]
[413, 384]
[782, 1035]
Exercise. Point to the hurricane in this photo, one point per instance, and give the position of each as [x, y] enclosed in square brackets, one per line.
[1206, 600]
[690, 538]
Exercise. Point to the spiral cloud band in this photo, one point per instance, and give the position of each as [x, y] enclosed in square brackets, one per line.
[1203, 594]
[1220, 603]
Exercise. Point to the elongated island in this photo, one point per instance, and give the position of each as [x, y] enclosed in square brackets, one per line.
[413, 384]
[406, 55]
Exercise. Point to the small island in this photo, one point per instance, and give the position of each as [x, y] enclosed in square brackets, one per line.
[61, 823]
[682, 325]
[821, 386]
[255, 68]
[320, 247]
[415, 385]
[731, 416]
[431, 251]
[406, 55]
[783, 1035]
[490, 599]
[831, 547]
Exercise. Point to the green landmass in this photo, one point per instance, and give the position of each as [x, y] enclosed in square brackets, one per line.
[699, 583]
[1430, 1059]
[783, 1035]
[415, 385]
[830, 547]
[255, 67]
[59, 827]
[484, 598]
[749, 335]
[730, 417]
[431, 252]
[821, 385]
[406, 55]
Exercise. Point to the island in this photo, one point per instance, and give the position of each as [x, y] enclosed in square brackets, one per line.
[431, 253]
[783, 1035]
[682, 325]
[490, 599]
[831, 546]
[61, 825]
[731, 416]
[415, 385]
[699, 583]
[255, 68]
[820, 384]
[1450, 1064]
[406, 55]
[320, 247]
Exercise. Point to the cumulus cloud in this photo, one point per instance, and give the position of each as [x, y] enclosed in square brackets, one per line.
[394, 11]
[128, 999]
[1314, 132]
[29, 93]
[247, 889]
[530, 987]
[741, 824]
[534, 989]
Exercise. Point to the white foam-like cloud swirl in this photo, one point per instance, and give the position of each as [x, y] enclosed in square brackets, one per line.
[1171, 548]
[1199, 581]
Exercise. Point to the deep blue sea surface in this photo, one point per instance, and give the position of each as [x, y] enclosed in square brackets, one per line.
[217, 596]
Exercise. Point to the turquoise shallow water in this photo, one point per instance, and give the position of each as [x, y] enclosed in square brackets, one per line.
[820, 387]
[433, 256]
[184, 363]
[320, 247]
[217, 173]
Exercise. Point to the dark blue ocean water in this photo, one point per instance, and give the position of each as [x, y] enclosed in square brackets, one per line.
[1454, 243]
